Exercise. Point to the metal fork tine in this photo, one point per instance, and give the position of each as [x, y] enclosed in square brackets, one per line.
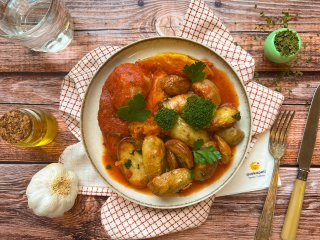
[283, 126]
[280, 125]
[285, 133]
[274, 127]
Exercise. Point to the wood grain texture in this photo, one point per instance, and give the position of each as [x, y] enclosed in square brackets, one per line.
[231, 217]
[51, 152]
[33, 79]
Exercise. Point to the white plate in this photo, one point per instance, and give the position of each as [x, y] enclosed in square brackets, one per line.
[92, 136]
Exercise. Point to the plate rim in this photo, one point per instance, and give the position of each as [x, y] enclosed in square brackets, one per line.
[114, 188]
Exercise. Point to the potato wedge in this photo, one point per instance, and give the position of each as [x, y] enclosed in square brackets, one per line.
[224, 149]
[231, 135]
[131, 164]
[182, 153]
[225, 116]
[170, 182]
[186, 133]
[153, 156]
[208, 90]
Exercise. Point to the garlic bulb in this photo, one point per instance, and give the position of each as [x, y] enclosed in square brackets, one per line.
[52, 191]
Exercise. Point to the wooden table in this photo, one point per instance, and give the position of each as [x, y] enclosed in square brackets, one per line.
[33, 79]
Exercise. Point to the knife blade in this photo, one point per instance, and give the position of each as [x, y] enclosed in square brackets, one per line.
[310, 133]
[291, 222]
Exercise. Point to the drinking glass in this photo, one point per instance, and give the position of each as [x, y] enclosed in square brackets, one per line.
[42, 25]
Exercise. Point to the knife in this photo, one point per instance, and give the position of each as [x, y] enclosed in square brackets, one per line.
[291, 221]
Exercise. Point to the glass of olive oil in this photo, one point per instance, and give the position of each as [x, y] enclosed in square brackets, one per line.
[28, 127]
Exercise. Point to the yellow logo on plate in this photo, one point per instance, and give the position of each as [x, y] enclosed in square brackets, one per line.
[255, 166]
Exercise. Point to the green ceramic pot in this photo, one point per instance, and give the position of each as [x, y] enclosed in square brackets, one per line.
[272, 53]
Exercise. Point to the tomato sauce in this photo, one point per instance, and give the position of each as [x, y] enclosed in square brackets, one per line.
[228, 95]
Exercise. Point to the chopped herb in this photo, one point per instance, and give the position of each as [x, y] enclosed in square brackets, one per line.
[139, 151]
[128, 163]
[138, 166]
[109, 166]
[198, 144]
[198, 112]
[207, 155]
[132, 152]
[195, 71]
[166, 118]
[237, 116]
[192, 173]
[309, 60]
[286, 42]
[135, 110]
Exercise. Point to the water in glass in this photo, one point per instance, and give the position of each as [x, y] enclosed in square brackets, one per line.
[43, 25]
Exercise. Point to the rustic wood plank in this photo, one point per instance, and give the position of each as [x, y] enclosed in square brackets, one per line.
[237, 14]
[24, 60]
[231, 217]
[51, 152]
[44, 88]
[48, 153]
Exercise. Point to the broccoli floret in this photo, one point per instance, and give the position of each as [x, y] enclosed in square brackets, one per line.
[166, 118]
[198, 112]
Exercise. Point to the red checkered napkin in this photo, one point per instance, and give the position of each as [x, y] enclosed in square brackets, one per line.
[121, 218]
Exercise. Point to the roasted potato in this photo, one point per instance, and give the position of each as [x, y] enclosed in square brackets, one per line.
[153, 156]
[175, 85]
[170, 182]
[224, 149]
[225, 116]
[177, 103]
[171, 160]
[231, 135]
[186, 133]
[131, 164]
[183, 154]
[208, 90]
[204, 171]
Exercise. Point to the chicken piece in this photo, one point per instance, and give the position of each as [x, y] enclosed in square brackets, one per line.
[109, 122]
[131, 165]
[139, 130]
[225, 116]
[126, 81]
[153, 154]
[186, 133]
[177, 103]
[171, 182]
[156, 93]
[208, 90]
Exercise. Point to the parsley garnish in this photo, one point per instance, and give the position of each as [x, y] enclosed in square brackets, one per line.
[198, 144]
[128, 163]
[195, 71]
[207, 155]
[135, 110]
[237, 116]
[192, 173]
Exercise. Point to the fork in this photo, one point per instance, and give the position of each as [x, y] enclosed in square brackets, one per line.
[277, 146]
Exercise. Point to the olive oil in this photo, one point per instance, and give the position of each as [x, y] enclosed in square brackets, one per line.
[39, 127]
